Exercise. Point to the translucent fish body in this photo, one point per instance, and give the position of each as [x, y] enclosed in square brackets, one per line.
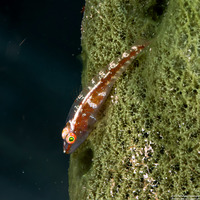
[83, 113]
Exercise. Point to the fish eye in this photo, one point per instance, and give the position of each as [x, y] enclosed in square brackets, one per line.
[71, 138]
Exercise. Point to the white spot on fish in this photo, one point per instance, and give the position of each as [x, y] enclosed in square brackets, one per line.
[134, 48]
[124, 55]
[112, 65]
[102, 94]
[91, 104]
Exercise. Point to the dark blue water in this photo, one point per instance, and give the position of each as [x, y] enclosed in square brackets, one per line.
[39, 79]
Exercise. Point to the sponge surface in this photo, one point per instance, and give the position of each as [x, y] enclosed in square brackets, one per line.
[145, 144]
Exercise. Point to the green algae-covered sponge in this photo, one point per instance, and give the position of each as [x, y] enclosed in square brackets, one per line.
[146, 141]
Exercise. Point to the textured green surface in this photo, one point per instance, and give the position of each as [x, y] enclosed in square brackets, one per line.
[146, 143]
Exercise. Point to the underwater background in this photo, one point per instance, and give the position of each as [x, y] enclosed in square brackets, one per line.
[39, 80]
